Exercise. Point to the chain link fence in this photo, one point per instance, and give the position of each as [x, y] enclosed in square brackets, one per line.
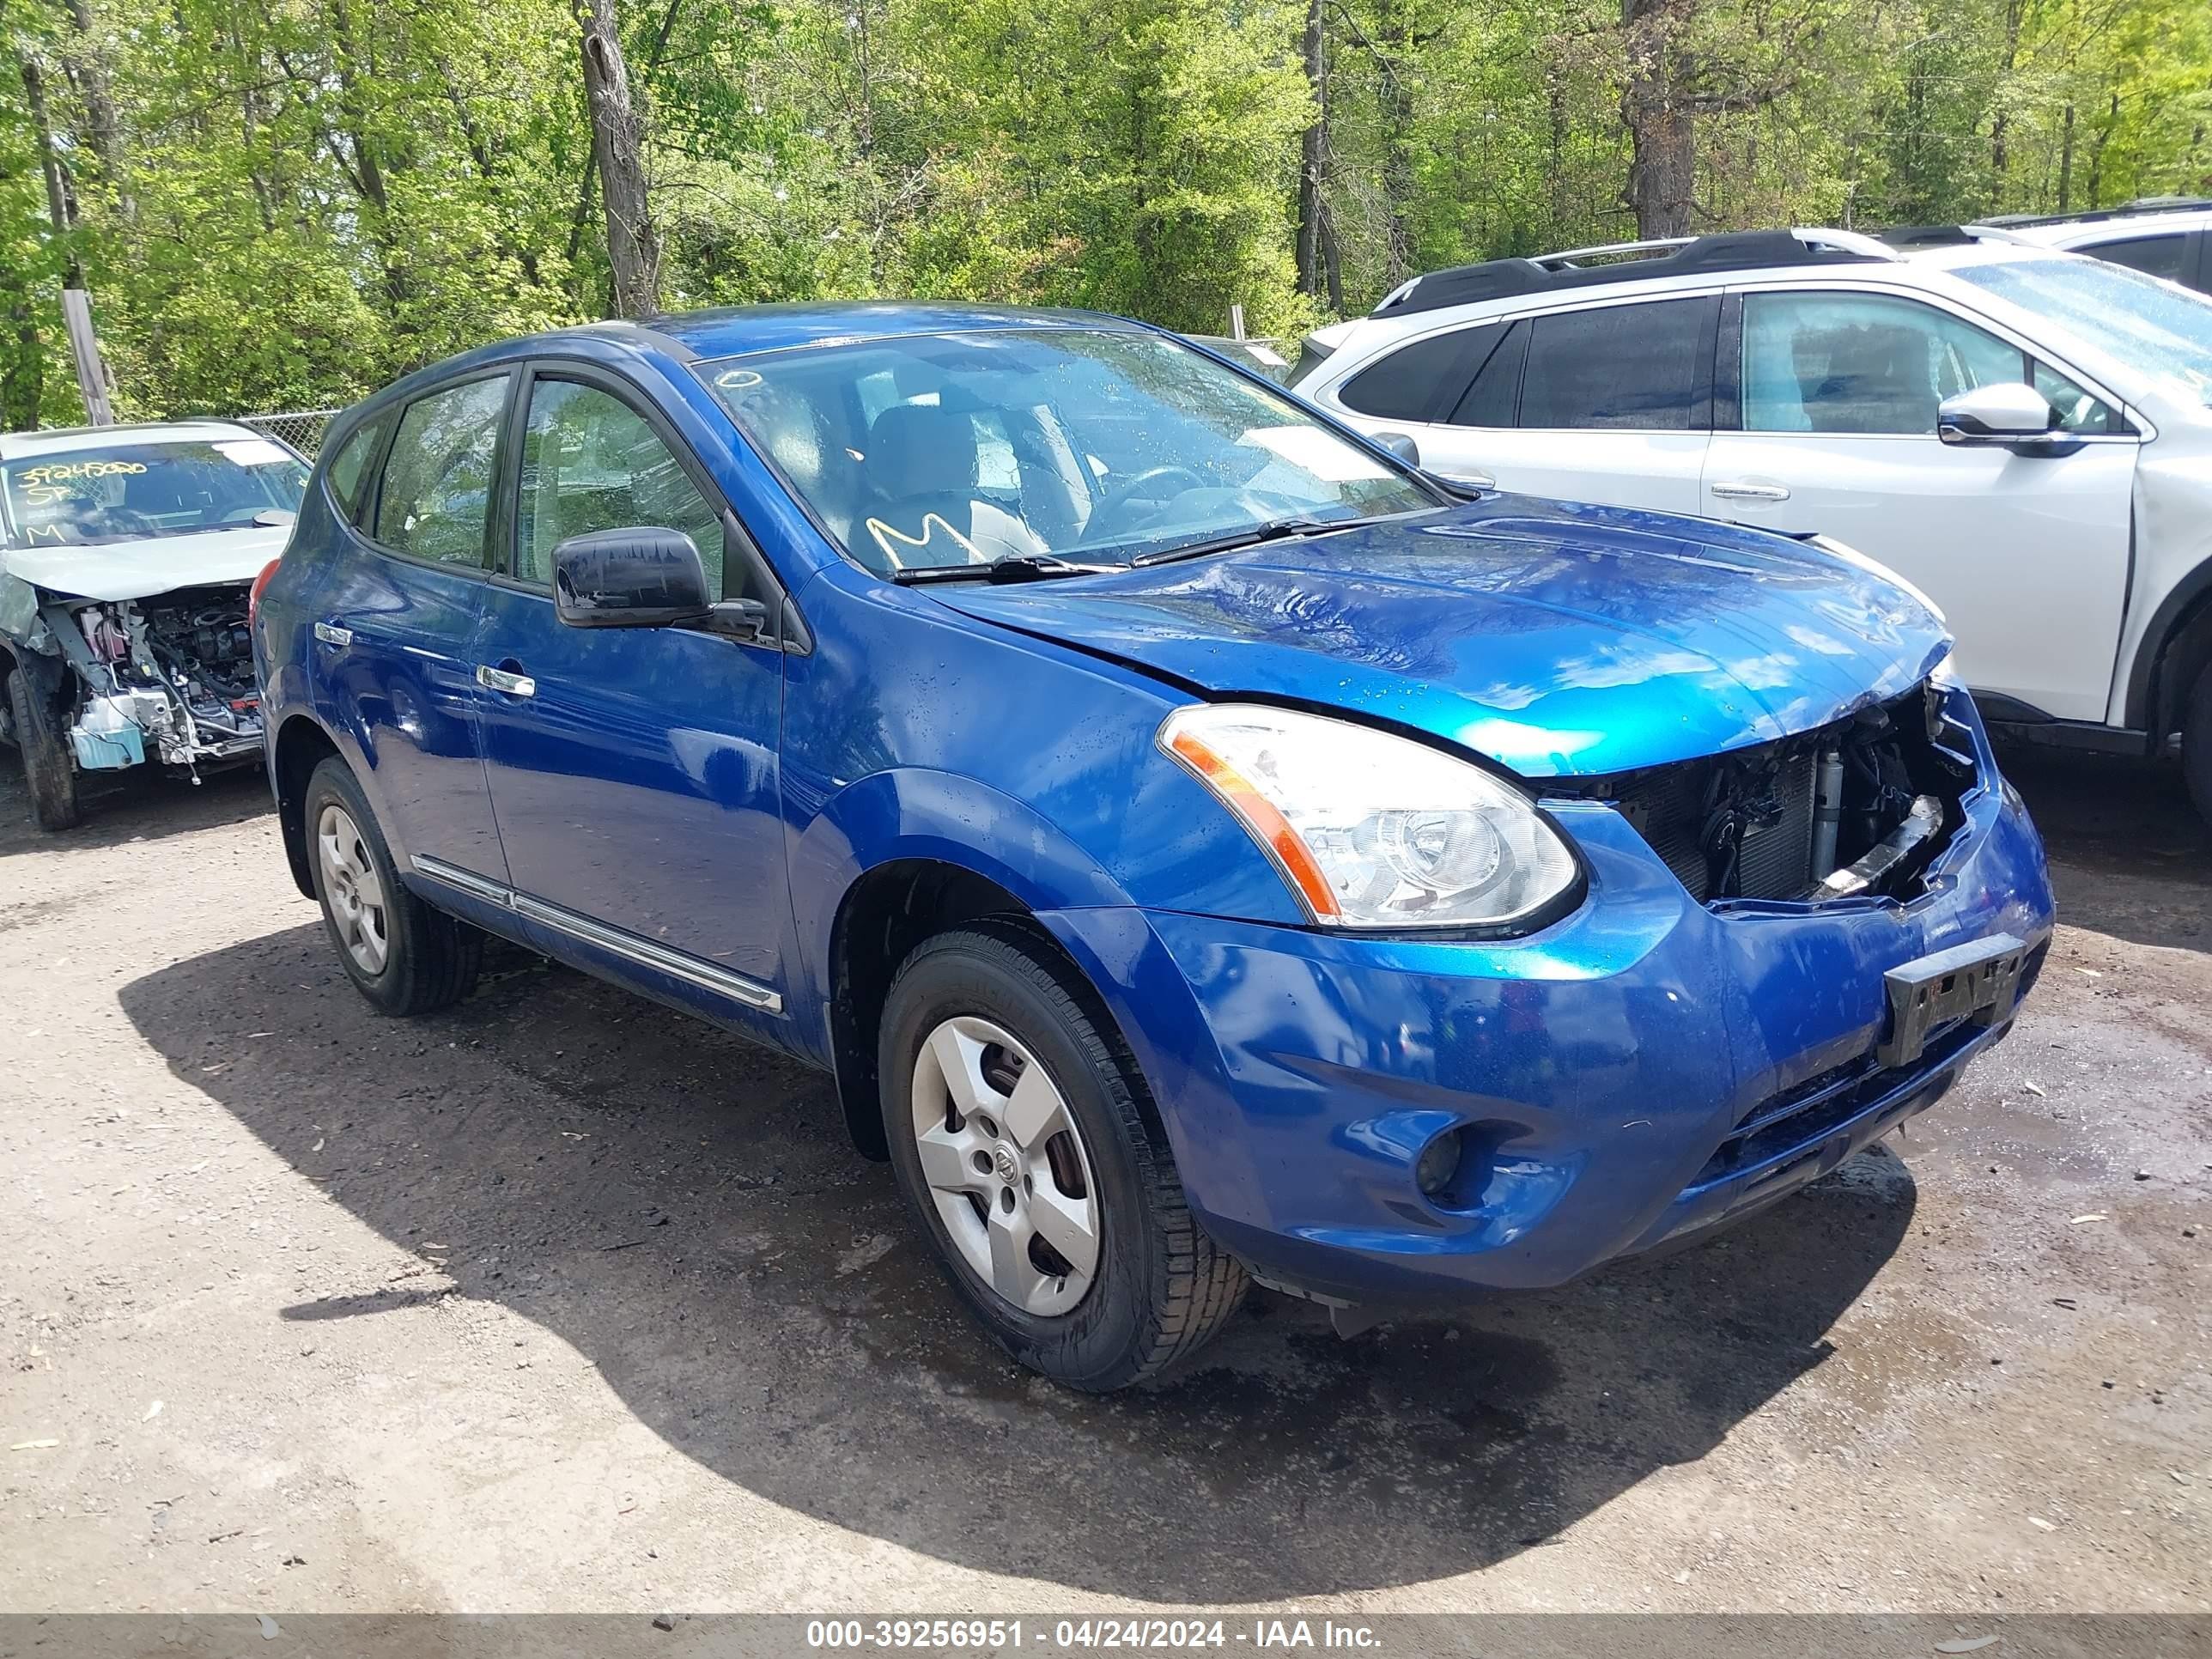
[301, 428]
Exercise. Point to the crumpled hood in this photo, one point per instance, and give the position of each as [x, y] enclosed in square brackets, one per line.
[140, 569]
[1560, 641]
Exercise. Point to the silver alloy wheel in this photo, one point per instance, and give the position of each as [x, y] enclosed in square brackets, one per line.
[1006, 1166]
[351, 889]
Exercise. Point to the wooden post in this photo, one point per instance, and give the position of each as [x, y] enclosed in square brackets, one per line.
[84, 347]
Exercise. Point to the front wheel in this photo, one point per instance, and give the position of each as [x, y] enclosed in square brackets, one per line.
[1019, 1136]
[401, 954]
[2196, 743]
[49, 771]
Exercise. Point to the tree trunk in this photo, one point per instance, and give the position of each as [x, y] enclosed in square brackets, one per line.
[2066, 165]
[1313, 152]
[1395, 33]
[618, 146]
[1662, 172]
[2000, 126]
[87, 66]
[61, 201]
[23, 358]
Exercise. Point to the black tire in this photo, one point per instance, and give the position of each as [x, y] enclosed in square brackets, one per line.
[2196, 743]
[1162, 1288]
[431, 959]
[49, 770]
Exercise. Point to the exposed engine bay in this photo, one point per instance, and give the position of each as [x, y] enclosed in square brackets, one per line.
[1861, 807]
[168, 678]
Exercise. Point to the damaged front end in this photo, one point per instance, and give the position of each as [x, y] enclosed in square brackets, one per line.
[166, 678]
[1861, 806]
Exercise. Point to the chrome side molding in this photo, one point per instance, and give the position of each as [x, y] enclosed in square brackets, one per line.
[678, 964]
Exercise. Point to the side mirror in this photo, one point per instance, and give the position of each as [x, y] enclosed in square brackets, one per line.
[1401, 445]
[2012, 415]
[646, 577]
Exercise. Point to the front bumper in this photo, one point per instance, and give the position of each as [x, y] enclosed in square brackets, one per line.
[1644, 1069]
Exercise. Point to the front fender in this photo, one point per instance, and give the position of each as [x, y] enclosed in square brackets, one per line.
[913, 813]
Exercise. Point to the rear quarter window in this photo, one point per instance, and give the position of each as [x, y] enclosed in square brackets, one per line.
[2155, 256]
[349, 468]
[1420, 380]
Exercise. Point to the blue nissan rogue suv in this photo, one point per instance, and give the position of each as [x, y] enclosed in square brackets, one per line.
[1203, 848]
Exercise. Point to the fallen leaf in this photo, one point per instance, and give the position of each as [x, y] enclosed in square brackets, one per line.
[152, 1411]
[2037, 1520]
[2035, 1089]
[1967, 1644]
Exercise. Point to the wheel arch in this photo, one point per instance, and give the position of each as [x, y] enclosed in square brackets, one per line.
[902, 855]
[2177, 648]
[301, 745]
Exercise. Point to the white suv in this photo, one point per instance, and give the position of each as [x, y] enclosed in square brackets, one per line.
[2023, 434]
[2167, 236]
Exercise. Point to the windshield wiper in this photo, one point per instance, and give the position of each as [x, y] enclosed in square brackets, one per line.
[1014, 568]
[1274, 530]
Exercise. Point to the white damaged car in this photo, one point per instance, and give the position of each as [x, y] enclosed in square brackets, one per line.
[128, 555]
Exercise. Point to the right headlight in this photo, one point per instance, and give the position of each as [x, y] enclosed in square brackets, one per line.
[1371, 830]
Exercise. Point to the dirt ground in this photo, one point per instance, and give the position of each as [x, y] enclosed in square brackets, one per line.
[556, 1303]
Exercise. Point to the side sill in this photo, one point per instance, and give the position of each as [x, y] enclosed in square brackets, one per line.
[643, 953]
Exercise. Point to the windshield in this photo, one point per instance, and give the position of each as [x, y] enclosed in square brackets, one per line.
[127, 492]
[930, 451]
[2162, 332]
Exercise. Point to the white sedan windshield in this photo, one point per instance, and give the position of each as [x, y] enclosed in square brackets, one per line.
[125, 491]
[1103, 444]
[2162, 332]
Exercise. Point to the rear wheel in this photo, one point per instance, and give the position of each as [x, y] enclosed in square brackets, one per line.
[49, 771]
[403, 956]
[2196, 743]
[1018, 1127]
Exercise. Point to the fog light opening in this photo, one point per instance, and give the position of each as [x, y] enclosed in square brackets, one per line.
[1438, 1163]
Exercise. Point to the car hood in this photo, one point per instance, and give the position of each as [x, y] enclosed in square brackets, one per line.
[140, 569]
[1560, 641]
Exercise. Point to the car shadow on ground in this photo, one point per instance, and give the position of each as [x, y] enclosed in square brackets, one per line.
[141, 804]
[685, 1211]
[2130, 857]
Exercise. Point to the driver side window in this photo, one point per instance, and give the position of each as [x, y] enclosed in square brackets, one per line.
[590, 462]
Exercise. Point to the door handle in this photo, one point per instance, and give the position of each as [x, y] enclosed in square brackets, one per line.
[499, 679]
[331, 634]
[1743, 490]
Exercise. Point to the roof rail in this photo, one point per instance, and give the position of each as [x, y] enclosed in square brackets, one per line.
[1912, 236]
[1629, 262]
[2142, 204]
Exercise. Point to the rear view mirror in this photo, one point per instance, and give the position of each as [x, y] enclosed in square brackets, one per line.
[645, 577]
[2012, 415]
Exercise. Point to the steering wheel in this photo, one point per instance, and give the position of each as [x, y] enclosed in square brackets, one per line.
[1138, 488]
[119, 520]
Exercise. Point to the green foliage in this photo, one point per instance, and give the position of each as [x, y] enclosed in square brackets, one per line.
[287, 205]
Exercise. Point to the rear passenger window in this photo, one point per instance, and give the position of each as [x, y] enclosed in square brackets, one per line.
[349, 468]
[437, 480]
[1419, 381]
[2155, 256]
[1634, 366]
